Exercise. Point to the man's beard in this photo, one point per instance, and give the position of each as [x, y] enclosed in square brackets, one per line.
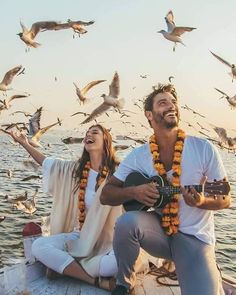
[160, 119]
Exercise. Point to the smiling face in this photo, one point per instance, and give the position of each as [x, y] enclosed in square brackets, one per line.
[165, 111]
[94, 140]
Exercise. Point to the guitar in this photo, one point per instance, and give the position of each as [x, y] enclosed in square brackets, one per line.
[166, 191]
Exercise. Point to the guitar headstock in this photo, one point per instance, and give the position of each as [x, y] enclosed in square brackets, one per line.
[220, 187]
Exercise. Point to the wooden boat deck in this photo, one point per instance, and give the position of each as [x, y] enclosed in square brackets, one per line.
[32, 279]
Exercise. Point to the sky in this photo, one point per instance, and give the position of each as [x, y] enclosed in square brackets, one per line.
[123, 38]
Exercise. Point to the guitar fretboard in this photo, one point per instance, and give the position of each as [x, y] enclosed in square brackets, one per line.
[171, 190]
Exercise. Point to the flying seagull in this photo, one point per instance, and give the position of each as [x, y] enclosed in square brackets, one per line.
[27, 36]
[9, 77]
[35, 132]
[81, 92]
[5, 104]
[232, 66]
[173, 34]
[110, 100]
[231, 100]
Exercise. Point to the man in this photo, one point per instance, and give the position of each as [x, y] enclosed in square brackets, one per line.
[183, 230]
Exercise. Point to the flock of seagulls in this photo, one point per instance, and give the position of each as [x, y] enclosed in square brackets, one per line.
[112, 102]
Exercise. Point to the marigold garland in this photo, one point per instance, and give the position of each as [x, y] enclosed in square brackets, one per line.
[170, 219]
[82, 187]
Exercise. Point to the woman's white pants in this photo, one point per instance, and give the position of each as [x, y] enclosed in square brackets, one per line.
[52, 253]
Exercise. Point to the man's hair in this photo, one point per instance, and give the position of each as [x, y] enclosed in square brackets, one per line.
[161, 88]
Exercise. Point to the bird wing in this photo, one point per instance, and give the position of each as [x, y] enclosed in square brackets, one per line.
[115, 86]
[16, 96]
[24, 29]
[90, 85]
[222, 133]
[82, 23]
[38, 26]
[10, 75]
[170, 21]
[34, 122]
[41, 131]
[221, 92]
[178, 31]
[97, 112]
[222, 60]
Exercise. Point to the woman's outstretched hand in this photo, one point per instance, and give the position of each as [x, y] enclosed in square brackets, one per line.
[19, 137]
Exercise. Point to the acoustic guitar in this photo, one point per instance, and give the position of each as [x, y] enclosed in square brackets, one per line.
[166, 191]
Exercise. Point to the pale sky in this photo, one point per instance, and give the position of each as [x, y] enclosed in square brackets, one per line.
[123, 38]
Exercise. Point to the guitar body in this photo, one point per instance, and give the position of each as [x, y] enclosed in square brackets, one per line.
[135, 179]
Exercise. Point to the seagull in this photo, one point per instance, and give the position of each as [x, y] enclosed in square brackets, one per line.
[19, 198]
[194, 112]
[229, 141]
[170, 78]
[9, 77]
[80, 113]
[203, 128]
[232, 66]
[138, 140]
[231, 100]
[6, 102]
[81, 93]
[35, 132]
[27, 36]
[31, 164]
[31, 177]
[121, 147]
[110, 100]
[27, 206]
[71, 140]
[222, 133]
[143, 76]
[26, 114]
[77, 26]
[173, 34]
[2, 218]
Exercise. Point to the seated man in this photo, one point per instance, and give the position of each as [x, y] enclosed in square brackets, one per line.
[183, 230]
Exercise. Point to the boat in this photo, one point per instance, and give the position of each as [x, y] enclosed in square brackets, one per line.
[29, 278]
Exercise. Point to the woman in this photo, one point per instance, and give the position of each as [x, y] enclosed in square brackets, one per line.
[81, 228]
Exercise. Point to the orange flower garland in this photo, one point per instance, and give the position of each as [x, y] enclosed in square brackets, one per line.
[170, 220]
[82, 187]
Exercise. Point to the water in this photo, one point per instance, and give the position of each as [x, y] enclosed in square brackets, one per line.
[11, 242]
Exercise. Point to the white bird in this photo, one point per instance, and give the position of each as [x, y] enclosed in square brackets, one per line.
[35, 132]
[231, 100]
[232, 66]
[27, 36]
[173, 33]
[230, 142]
[5, 104]
[8, 78]
[81, 92]
[110, 100]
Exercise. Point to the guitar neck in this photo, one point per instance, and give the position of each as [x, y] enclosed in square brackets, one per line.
[171, 190]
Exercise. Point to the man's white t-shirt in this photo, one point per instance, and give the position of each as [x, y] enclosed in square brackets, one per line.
[199, 158]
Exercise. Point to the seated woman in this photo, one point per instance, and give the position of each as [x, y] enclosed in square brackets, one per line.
[81, 228]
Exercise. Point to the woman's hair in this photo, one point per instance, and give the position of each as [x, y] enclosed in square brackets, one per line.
[108, 158]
